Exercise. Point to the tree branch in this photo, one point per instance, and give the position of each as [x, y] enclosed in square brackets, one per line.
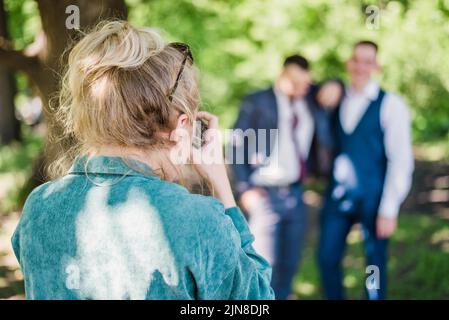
[16, 60]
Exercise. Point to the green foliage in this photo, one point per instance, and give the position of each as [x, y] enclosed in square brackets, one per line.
[23, 26]
[239, 45]
[23, 21]
[16, 161]
[20, 155]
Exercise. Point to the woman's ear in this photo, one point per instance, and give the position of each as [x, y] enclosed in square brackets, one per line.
[181, 128]
[182, 121]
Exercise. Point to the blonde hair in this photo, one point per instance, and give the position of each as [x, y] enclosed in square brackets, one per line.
[115, 91]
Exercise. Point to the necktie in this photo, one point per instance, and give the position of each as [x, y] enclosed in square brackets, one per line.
[295, 124]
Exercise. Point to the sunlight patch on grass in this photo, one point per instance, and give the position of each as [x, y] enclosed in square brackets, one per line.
[305, 288]
[350, 281]
[441, 238]
[3, 283]
[19, 156]
[355, 236]
[18, 274]
[432, 151]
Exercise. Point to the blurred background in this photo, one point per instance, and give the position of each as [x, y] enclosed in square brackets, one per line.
[239, 46]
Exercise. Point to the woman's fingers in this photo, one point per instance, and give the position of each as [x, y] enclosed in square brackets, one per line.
[211, 119]
[212, 123]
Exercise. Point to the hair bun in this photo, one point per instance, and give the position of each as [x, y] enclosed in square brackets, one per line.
[118, 44]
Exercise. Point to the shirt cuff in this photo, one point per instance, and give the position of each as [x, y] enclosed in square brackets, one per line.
[389, 208]
[240, 223]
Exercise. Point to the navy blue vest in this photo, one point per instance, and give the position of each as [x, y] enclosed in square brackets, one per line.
[365, 148]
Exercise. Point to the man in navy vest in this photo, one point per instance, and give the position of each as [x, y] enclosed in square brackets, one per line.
[371, 175]
[270, 191]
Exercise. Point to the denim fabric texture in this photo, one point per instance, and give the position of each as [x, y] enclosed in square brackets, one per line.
[111, 229]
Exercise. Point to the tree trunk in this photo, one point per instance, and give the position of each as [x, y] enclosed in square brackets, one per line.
[44, 60]
[9, 125]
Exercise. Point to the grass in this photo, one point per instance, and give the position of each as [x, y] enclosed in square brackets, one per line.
[418, 265]
[432, 150]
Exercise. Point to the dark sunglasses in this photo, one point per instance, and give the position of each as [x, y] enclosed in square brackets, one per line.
[185, 50]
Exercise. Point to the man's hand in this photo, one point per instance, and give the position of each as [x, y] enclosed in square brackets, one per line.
[385, 227]
[252, 197]
[329, 94]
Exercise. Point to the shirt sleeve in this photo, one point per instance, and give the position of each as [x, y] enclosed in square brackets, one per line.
[238, 271]
[242, 171]
[396, 122]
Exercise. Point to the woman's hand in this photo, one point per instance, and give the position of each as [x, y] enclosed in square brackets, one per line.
[209, 157]
[252, 197]
[210, 162]
[385, 227]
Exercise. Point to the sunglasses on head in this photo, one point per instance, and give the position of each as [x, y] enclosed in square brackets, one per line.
[185, 50]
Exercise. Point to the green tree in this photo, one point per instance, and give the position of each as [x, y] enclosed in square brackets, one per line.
[43, 60]
[9, 125]
[239, 46]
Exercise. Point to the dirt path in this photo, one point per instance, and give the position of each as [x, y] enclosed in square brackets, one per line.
[11, 281]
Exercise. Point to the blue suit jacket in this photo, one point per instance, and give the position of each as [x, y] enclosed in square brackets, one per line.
[259, 111]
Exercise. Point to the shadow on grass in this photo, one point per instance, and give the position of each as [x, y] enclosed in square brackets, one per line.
[10, 285]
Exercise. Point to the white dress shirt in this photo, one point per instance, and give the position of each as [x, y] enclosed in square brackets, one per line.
[284, 166]
[395, 121]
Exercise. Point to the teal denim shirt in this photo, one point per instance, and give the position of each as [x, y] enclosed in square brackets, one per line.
[110, 229]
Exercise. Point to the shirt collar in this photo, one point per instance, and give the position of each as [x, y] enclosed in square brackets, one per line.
[370, 91]
[280, 95]
[109, 165]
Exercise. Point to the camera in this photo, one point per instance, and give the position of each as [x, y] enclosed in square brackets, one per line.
[200, 129]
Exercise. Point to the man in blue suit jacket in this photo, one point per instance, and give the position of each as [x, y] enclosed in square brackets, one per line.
[281, 134]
